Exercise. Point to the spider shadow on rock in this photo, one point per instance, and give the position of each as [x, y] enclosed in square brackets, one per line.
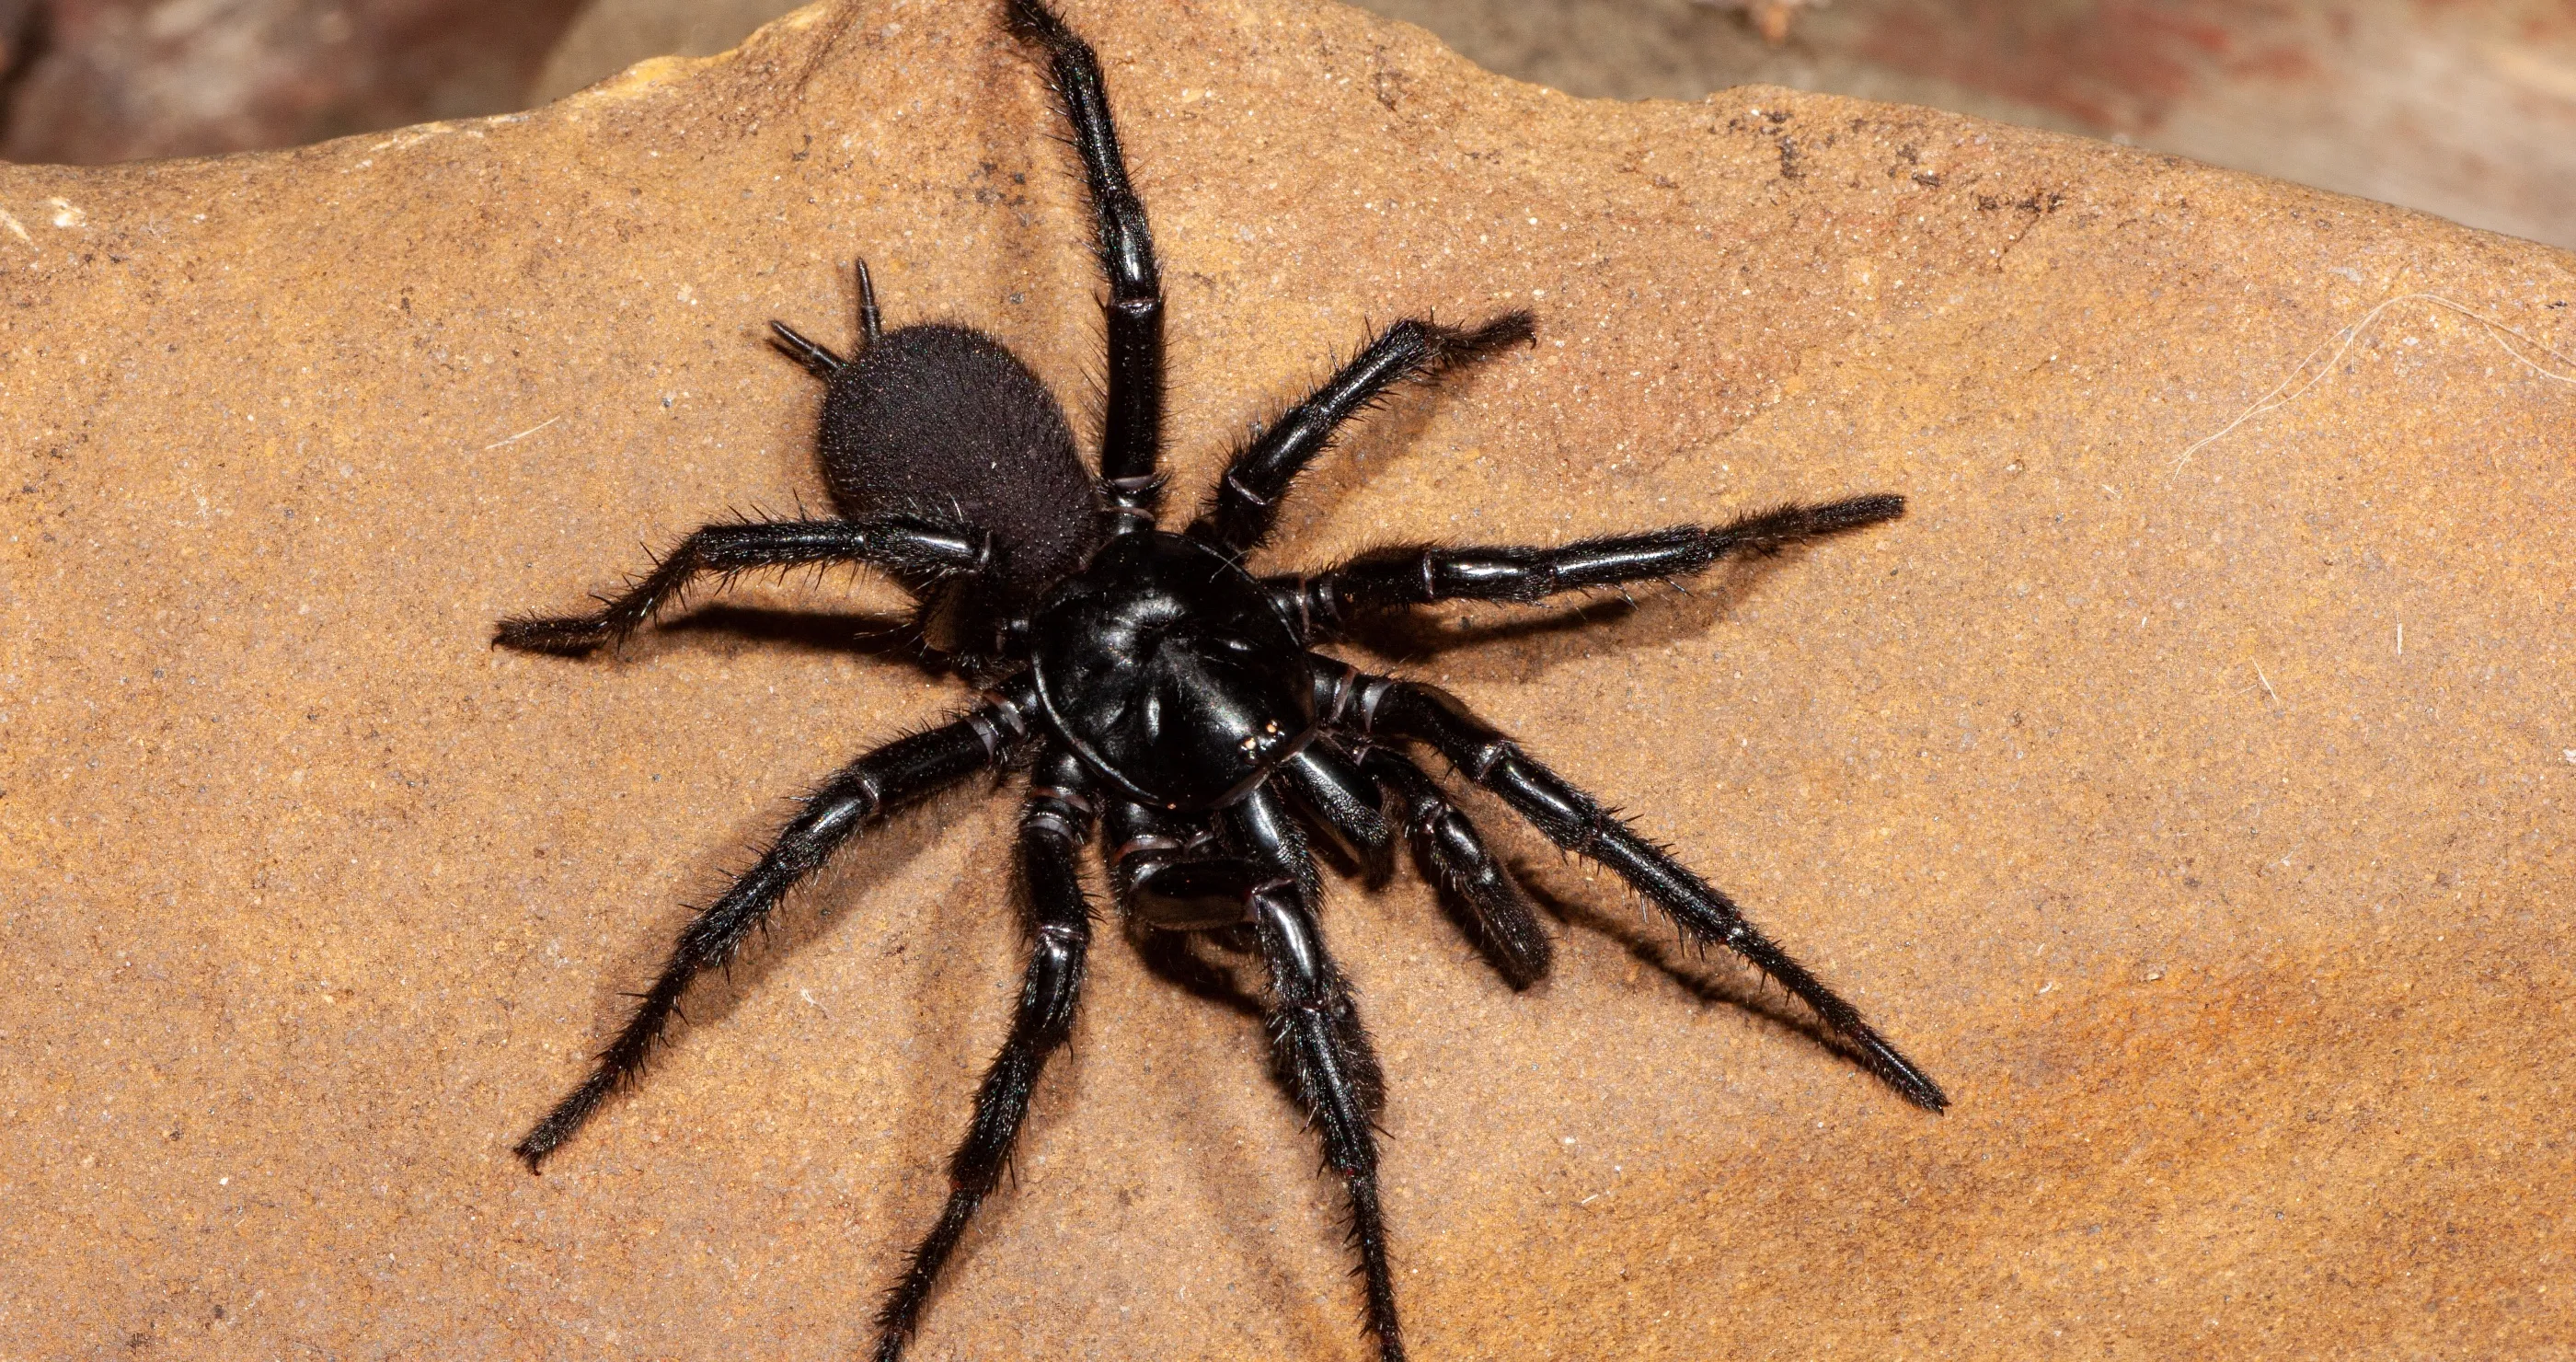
[1697, 973]
[841, 634]
[1391, 435]
[1174, 959]
[917, 1114]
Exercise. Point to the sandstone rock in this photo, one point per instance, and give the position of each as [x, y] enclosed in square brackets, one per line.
[2468, 111]
[2196, 809]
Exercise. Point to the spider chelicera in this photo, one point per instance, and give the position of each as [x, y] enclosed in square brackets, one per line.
[1152, 687]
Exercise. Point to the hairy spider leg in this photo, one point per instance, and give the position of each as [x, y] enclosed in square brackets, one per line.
[1578, 823]
[818, 358]
[1392, 578]
[1131, 437]
[1498, 916]
[1055, 822]
[1318, 1045]
[902, 772]
[1175, 877]
[1348, 799]
[1241, 512]
[914, 549]
[1337, 795]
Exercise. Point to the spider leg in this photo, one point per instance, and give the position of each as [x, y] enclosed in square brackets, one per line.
[1446, 846]
[900, 773]
[916, 550]
[1131, 438]
[1391, 578]
[1578, 823]
[1240, 513]
[1173, 875]
[1053, 826]
[1337, 795]
[1317, 1042]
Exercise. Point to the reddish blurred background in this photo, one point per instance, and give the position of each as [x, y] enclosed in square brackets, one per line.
[2460, 108]
[93, 81]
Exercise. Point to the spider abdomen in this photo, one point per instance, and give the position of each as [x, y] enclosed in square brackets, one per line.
[945, 422]
[1169, 670]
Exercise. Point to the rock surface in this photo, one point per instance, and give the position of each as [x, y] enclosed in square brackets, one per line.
[2197, 812]
[2468, 111]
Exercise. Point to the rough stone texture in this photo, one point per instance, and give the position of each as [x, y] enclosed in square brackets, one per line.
[2106, 780]
[2468, 111]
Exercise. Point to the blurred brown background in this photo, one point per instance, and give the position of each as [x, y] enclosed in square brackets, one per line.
[2463, 109]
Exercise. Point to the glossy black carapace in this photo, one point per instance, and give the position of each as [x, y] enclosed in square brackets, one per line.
[1151, 688]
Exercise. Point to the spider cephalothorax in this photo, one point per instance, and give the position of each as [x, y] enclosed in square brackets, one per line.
[1152, 687]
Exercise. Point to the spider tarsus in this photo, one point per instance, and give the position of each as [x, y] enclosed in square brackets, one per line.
[1896, 1071]
[901, 1314]
[1035, 21]
[1368, 1235]
[555, 635]
[1769, 532]
[574, 1111]
[1451, 346]
[1854, 512]
[541, 1143]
